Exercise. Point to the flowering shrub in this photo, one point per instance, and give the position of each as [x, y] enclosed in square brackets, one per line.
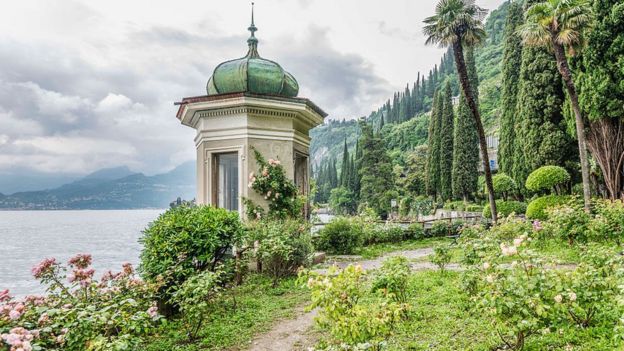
[283, 246]
[525, 295]
[568, 222]
[609, 221]
[537, 208]
[79, 312]
[184, 241]
[351, 321]
[280, 192]
[392, 278]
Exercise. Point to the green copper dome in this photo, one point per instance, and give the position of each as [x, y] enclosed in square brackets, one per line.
[252, 74]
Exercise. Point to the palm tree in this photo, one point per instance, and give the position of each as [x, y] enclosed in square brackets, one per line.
[459, 23]
[559, 25]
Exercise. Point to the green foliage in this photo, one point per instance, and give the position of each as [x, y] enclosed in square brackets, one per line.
[415, 231]
[505, 208]
[272, 183]
[466, 141]
[433, 156]
[609, 221]
[79, 312]
[567, 222]
[376, 172]
[548, 178]
[283, 246]
[439, 229]
[186, 240]
[601, 92]
[391, 279]
[342, 201]
[340, 236]
[441, 256]
[541, 136]
[512, 59]
[343, 311]
[197, 297]
[504, 185]
[537, 208]
[447, 118]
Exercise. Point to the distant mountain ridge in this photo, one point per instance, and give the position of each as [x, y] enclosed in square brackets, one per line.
[111, 188]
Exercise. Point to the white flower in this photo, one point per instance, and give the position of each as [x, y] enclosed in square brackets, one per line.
[486, 265]
[518, 241]
[490, 278]
[558, 298]
[572, 297]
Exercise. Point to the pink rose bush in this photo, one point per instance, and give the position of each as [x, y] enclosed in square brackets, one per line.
[272, 184]
[524, 294]
[79, 312]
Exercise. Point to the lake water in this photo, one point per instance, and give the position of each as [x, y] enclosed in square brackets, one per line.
[27, 237]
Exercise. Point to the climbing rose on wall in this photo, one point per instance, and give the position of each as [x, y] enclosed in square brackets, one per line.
[271, 183]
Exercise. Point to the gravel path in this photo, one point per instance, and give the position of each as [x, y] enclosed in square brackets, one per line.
[297, 334]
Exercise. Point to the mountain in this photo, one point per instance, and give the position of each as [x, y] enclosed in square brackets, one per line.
[328, 139]
[113, 188]
[29, 180]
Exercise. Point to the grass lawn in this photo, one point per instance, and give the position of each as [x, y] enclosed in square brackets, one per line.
[232, 325]
[441, 319]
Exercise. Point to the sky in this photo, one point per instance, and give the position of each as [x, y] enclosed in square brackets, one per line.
[86, 85]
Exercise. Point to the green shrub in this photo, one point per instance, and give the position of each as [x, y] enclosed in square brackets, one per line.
[536, 208]
[548, 178]
[283, 246]
[392, 278]
[186, 240]
[504, 185]
[415, 231]
[505, 208]
[80, 312]
[439, 229]
[350, 318]
[340, 236]
[473, 208]
[441, 256]
[609, 221]
[197, 297]
[568, 222]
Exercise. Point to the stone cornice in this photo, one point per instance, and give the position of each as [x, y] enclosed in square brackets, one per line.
[193, 109]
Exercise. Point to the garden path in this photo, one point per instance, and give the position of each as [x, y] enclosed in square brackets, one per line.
[297, 334]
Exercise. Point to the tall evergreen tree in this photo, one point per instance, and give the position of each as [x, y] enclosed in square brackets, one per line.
[459, 24]
[512, 59]
[561, 25]
[344, 168]
[466, 141]
[601, 92]
[375, 171]
[541, 137]
[433, 142]
[446, 143]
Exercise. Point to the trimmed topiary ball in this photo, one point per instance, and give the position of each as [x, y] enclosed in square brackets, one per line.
[548, 178]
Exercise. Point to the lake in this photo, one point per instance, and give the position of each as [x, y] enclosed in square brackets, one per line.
[27, 237]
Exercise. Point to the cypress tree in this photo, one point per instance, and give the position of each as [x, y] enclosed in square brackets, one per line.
[541, 137]
[344, 169]
[512, 59]
[433, 156]
[466, 140]
[375, 172]
[446, 142]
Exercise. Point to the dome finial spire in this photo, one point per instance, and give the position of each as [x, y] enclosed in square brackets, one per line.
[252, 41]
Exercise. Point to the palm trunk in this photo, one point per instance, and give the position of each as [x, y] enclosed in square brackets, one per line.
[468, 93]
[566, 74]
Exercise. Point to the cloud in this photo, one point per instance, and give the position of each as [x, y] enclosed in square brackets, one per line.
[397, 32]
[344, 85]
